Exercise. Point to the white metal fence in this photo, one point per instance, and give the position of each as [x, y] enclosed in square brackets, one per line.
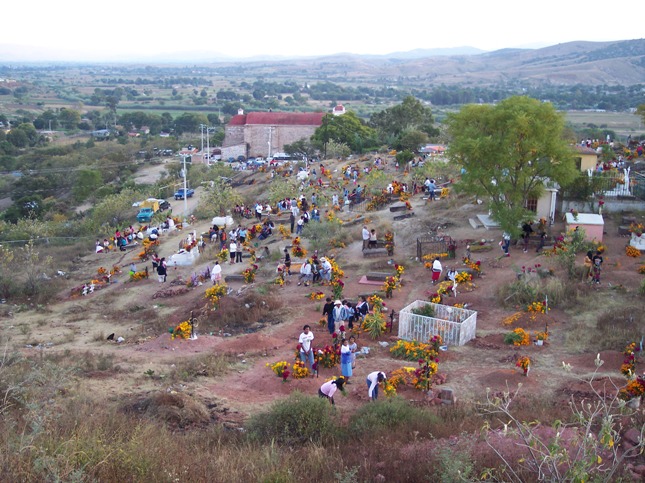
[455, 326]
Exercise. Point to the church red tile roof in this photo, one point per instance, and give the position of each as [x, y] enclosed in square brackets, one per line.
[278, 118]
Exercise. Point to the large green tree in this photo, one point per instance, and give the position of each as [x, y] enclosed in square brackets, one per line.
[640, 111]
[347, 129]
[508, 152]
[405, 122]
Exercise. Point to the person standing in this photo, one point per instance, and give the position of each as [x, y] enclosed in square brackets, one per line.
[232, 248]
[216, 273]
[306, 349]
[328, 311]
[238, 253]
[366, 237]
[346, 360]
[353, 347]
[527, 229]
[373, 380]
[436, 270]
[596, 268]
[588, 264]
[506, 243]
[432, 187]
[305, 273]
[162, 270]
[300, 225]
[287, 261]
[292, 221]
[328, 389]
[337, 314]
[372, 242]
[362, 308]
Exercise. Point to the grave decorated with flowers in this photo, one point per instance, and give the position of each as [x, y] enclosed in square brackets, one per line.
[421, 320]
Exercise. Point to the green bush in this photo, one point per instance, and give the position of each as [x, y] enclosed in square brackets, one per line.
[295, 420]
[387, 414]
[527, 290]
[424, 310]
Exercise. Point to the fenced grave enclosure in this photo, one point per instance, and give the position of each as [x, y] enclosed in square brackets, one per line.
[435, 244]
[456, 326]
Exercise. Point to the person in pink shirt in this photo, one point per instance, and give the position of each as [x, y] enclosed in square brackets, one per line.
[328, 389]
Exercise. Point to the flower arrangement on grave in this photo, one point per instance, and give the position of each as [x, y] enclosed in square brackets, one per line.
[518, 337]
[148, 248]
[337, 287]
[390, 284]
[434, 297]
[511, 319]
[328, 356]
[215, 293]
[101, 271]
[476, 266]
[575, 214]
[336, 243]
[140, 275]
[537, 307]
[297, 250]
[408, 205]
[637, 228]
[115, 269]
[389, 242]
[279, 280]
[300, 371]
[459, 305]
[630, 359]
[284, 233]
[181, 331]
[431, 256]
[445, 287]
[280, 369]
[416, 351]
[399, 269]
[404, 197]
[223, 255]
[524, 363]
[631, 251]
[316, 296]
[635, 388]
[249, 274]
[463, 278]
[445, 192]
[374, 324]
[388, 388]
[543, 336]
[375, 302]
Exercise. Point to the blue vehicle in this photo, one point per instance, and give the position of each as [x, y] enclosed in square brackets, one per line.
[179, 194]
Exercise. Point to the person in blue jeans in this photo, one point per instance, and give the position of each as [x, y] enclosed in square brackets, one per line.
[373, 380]
[506, 243]
[306, 349]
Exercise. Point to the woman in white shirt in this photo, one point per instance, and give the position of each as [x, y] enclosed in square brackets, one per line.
[373, 380]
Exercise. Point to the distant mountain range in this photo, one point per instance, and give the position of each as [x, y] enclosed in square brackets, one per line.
[592, 63]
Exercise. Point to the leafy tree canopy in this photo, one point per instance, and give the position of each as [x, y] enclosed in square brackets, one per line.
[508, 151]
[347, 129]
[409, 116]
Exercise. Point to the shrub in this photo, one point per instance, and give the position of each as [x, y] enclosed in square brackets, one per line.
[424, 310]
[387, 414]
[525, 291]
[296, 420]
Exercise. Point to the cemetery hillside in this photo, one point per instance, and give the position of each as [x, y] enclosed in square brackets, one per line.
[207, 275]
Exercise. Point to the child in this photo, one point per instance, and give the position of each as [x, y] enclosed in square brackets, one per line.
[353, 347]
[346, 360]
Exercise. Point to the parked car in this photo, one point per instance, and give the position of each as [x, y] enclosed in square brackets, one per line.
[179, 194]
[163, 205]
[145, 215]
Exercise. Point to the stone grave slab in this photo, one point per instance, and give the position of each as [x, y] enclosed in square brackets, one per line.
[398, 207]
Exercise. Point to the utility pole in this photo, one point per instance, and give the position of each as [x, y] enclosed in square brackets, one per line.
[201, 127]
[185, 189]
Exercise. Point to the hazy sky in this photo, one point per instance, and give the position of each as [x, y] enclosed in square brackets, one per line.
[112, 29]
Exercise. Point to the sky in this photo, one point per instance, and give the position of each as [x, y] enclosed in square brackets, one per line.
[134, 29]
